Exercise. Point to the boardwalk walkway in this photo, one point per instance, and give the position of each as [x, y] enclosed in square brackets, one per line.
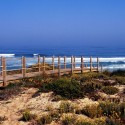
[62, 71]
[5, 77]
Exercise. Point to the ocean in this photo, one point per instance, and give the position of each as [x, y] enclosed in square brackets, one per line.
[111, 58]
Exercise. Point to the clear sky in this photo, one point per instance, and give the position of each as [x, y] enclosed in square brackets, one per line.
[42, 23]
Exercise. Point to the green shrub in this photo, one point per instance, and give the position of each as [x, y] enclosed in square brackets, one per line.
[93, 75]
[45, 119]
[107, 73]
[113, 111]
[118, 73]
[110, 121]
[95, 121]
[124, 91]
[67, 88]
[100, 121]
[27, 116]
[32, 82]
[76, 77]
[58, 98]
[108, 108]
[66, 107]
[121, 110]
[109, 83]
[55, 114]
[10, 90]
[110, 90]
[91, 86]
[92, 111]
[68, 119]
[84, 123]
[36, 81]
[89, 76]
[120, 80]
[94, 96]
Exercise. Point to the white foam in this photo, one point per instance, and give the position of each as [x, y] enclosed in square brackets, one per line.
[78, 59]
[116, 59]
[7, 55]
[36, 54]
[118, 66]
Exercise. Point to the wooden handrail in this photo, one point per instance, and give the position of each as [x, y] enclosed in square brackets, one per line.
[61, 69]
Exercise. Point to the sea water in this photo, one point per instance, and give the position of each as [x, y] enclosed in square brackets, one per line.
[110, 58]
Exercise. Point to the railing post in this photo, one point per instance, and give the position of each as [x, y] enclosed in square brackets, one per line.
[74, 61]
[101, 68]
[4, 71]
[1, 66]
[71, 64]
[82, 65]
[53, 64]
[24, 66]
[97, 64]
[64, 62]
[43, 64]
[90, 64]
[39, 63]
[59, 73]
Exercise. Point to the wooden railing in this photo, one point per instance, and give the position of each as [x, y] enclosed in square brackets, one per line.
[59, 67]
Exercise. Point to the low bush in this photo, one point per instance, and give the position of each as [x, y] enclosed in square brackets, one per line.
[121, 110]
[92, 111]
[120, 80]
[118, 73]
[76, 77]
[109, 109]
[45, 119]
[10, 90]
[66, 107]
[107, 73]
[27, 116]
[32, 82]
[94, 96]
[55, 115]
[49, 108]
[84, 122]
[94, 75]
[110, 90]
[68, 119]
[58, 98]
[88, 76]
[100, 121]
[110, 121]
[67, 88]
[91, 86]
[95, 121]
[109, 82]
[124, 91]
[114, 111]
[36, 81]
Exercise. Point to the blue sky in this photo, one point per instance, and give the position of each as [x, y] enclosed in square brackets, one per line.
[52, 23]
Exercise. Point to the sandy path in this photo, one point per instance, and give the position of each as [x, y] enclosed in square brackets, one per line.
[37, 105]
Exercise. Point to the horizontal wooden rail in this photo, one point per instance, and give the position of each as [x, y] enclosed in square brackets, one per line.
[58, 65]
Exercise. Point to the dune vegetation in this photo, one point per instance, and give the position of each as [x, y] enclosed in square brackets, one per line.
[80, 99]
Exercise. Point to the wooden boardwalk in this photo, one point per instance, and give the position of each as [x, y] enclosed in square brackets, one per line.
[4, 77]
[32, 74]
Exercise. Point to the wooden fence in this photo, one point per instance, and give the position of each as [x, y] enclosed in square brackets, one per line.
[59, 67]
